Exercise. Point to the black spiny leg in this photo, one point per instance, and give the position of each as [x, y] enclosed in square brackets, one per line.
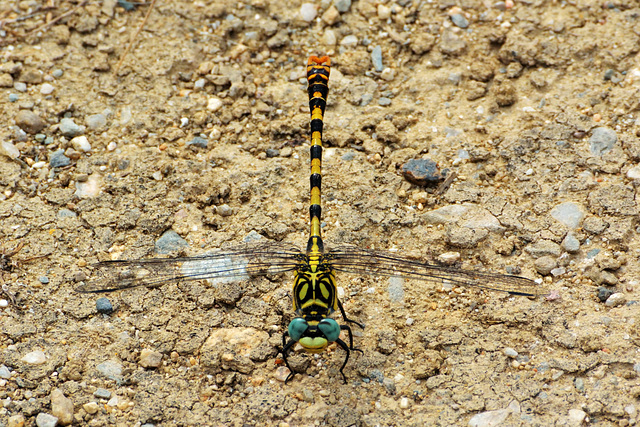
[346, 359]
[346, 319]
[286, 346]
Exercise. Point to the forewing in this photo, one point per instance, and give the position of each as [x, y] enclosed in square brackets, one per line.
[380, 263]
[233, 263]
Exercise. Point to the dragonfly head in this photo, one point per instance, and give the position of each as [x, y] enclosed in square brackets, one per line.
[315, 336]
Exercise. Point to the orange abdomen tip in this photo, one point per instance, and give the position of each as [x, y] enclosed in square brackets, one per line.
[319, 61]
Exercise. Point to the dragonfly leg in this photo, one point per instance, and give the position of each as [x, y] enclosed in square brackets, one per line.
[345, 347]
[348, 329]
[344, 316]
[286, 346]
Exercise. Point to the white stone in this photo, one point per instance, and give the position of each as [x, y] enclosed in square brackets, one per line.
[577, 416]
[329, 38]
[308, 12]
[46, 89]
[46, 420]
[35, 358]
[214, 104]
[384, 12]
[634, 173]
[388, 74]
[81, 143]
[349, 41]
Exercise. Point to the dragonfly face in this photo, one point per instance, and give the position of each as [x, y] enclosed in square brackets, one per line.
[314, 336]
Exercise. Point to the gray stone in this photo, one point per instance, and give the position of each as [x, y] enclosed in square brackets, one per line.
[570, 243]
[103, 305]
[169, 242]
[421, 172]
[376, 58]
[198, 141]
[342, 5]
[111, 369]
[459, 20]
[602, 140]
[102, 393]
[70, 129]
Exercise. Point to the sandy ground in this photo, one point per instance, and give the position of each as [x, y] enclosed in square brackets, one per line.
[533, 105]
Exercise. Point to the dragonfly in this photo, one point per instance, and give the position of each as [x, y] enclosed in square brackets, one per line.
[314, 296]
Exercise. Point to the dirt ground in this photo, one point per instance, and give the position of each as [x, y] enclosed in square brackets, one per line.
[200, 139]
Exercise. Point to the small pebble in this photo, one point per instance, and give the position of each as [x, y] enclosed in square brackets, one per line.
[102, 393]
[9, 150]
[388, 74]
[421, 171]
[46, 420]
[46, 89]
[214, 104]
[96, 121]
[20, 86]
[342, 5]
[16, 421]
[404, 403]
[604, 293]
[570, 243]
[384, 101]
[329, 37]
[384, 12]
[110, 369]
[3, 303]
[81, 143]
[331, 15]
[545, 264]
[61, 407]
[104, 306]
[57, 73]
[169, 242]
[579, 384]
[449, 258]
[616, 300]
[198, 141]
[376, 58]
[509, 352]
[224, 210]
[349, 41]
[272, 152]
[569, 213]
[459, 20]
[577, 416]
[199, 84]
[13, 97]
[91, 407]
[602, 140]
[29, 121]
[69, 128]
[282, 373]
[150, 358]
[5, 374]
[308, 12]
[36, 357]
[44, 280]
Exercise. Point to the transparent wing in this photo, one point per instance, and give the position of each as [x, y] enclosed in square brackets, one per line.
[233, 263]
[379, 263]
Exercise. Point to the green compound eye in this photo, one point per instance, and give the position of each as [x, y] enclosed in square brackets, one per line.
[297, 327]
[330, 329]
